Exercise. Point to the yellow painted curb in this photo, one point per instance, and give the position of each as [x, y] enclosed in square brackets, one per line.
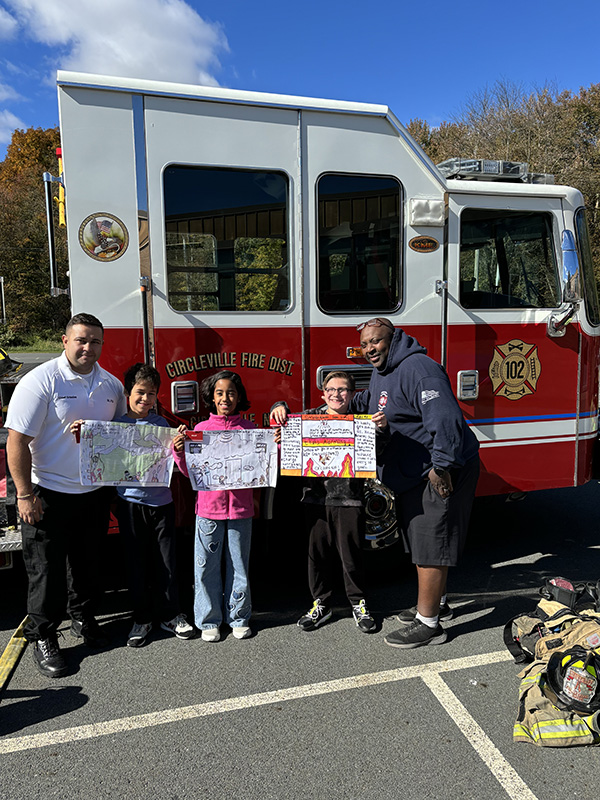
[11, 656]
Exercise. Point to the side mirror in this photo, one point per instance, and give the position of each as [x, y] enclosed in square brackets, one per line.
[571, 272]
[571, 297]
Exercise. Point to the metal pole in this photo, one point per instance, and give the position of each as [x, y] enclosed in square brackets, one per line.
[2, 300]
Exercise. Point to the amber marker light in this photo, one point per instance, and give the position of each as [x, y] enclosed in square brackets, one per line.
[354, 352]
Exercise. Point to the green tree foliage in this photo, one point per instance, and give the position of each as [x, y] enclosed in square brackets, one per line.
[24, 241]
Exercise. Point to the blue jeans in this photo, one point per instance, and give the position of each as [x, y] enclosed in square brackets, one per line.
[217, 540]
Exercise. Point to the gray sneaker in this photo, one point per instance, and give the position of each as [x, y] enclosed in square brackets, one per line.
[179, 626]
[416, 634]
[408, 615]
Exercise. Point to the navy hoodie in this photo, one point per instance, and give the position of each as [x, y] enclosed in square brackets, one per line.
[426, 424]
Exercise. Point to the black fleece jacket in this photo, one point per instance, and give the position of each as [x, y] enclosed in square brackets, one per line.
[426, 424]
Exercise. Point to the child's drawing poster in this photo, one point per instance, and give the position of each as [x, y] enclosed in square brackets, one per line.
[120, 454]
[239, 459]
[328, 446]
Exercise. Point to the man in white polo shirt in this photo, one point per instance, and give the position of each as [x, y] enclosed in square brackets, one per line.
[62, 521]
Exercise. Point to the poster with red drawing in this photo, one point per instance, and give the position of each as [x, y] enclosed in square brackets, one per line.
[328, 446]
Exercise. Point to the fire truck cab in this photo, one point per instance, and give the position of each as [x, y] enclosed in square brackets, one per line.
[213, 228]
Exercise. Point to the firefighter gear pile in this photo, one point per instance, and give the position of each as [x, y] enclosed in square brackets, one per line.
[559, 694]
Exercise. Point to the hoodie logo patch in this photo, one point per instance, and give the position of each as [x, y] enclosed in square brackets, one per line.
[429, 394]
[383, 398]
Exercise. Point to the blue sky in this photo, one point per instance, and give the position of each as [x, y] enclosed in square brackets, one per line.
[423, 60]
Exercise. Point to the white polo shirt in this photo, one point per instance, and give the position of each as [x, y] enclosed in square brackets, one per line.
[45, 403]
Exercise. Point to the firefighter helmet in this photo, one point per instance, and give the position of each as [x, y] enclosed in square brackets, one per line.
[574, 677]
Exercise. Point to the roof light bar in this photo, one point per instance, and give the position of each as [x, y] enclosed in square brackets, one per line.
[491, 170]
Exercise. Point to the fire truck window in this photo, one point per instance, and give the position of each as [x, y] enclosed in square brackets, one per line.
[507, 260]
[359, 243]
[226, 239]
[590, 279]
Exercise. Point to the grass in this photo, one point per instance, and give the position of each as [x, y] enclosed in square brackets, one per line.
[35, 344]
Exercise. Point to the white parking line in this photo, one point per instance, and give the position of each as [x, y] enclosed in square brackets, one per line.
[429, 673]
[82, 732]
[507, 777]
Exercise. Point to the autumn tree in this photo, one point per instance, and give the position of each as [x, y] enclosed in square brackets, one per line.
[23, 238]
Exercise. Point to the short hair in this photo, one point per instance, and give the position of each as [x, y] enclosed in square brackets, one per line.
[340, 374]
[141, 372]
[84, 319]
[207, 390]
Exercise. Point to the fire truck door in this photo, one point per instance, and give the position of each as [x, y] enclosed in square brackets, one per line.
[517, 386]
[223, 183]
[357, 181]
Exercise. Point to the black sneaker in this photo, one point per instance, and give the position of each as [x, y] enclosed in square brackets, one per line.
[363, 619]
[138, 634]
[317, 615]
[416, 634]
[90, 632]
[446, 614]
[48, 659]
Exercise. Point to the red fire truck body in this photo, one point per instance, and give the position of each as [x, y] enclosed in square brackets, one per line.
[211, 228]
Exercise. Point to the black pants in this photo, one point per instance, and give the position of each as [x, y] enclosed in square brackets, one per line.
[335, 534]
[149, 534]
[66, 538]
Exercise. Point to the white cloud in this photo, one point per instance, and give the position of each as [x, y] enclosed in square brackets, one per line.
[7, 93]
[8, 24]
[156, 39]
[8, 123]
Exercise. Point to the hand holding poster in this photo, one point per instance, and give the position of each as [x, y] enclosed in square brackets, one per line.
[235, 459]
[328, 446]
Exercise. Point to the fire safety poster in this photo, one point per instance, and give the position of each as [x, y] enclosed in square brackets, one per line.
[328, 446]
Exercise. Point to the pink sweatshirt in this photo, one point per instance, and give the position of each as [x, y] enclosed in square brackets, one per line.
[229, 503]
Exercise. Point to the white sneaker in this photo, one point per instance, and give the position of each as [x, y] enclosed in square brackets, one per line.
[241, 632]
[137, 635]
[211, 635]
[180, 627]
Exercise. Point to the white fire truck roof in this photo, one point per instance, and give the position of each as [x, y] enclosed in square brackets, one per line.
[220, 94]
[142, 86]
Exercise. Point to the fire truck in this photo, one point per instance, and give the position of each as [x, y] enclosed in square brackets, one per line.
[212, 228]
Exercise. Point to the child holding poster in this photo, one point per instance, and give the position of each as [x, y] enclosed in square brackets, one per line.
[146, 517]
[335, 515]
[223, 522]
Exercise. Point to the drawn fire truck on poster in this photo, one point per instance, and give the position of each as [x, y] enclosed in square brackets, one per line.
[213, 228]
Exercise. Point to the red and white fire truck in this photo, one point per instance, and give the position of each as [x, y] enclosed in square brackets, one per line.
[213, 228]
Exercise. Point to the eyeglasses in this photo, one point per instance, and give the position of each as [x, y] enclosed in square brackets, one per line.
[336, 391]
[376, 322]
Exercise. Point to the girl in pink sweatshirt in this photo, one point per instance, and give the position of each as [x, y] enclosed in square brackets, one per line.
[223, 522]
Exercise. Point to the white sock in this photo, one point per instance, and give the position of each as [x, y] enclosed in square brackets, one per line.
[443, 599]
[431, 622]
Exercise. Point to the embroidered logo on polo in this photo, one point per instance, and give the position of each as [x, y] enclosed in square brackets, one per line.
[383, 398]
[515, 369]
[427, 395]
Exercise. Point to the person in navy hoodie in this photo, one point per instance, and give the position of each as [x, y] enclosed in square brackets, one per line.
[431, 462]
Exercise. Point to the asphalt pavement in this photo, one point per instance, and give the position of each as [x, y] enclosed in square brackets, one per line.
[332, 713]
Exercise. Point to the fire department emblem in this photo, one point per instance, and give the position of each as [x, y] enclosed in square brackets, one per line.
[515, 369]
[383, 398]
[103, 237]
